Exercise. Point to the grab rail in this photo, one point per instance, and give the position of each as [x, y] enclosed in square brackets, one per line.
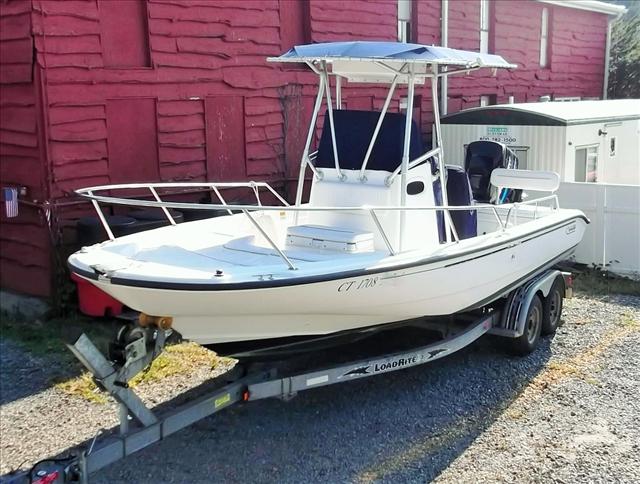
[517, 205]
[247, 209]
[412, 163]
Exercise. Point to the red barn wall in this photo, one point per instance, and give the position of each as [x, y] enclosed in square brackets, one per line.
[24, 240]
[193, 98]
[576, 63]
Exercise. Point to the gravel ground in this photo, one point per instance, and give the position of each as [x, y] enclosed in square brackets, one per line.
[569, 412]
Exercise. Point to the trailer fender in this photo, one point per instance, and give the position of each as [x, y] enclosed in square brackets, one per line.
[542, 286]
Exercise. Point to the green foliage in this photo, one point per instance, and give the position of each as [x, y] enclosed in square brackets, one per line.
[624, 67]
[599, 281]
[48, 338]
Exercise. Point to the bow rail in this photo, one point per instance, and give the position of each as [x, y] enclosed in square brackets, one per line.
[215, 187]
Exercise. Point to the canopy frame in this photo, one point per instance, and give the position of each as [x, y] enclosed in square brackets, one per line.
[392, 71]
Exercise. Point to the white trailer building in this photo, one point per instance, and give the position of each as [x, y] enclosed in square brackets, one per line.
[583, 141]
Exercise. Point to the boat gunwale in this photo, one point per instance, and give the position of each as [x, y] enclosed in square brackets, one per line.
[325, 277]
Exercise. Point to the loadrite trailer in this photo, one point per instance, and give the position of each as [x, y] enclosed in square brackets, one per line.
[522, 317]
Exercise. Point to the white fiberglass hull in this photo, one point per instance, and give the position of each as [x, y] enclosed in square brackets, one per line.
[458, 278]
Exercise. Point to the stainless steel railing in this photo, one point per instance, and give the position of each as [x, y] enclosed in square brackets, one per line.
[165, 205]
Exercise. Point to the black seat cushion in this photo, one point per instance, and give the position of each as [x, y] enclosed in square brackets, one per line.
[481, 159]
[459, 194]
[354, 130]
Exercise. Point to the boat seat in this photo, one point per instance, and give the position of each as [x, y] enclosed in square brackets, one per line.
[481, 158]
[354, 130]
[330, 238]
[459, 193]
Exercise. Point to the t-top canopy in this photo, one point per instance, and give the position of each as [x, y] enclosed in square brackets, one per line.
[396, 52]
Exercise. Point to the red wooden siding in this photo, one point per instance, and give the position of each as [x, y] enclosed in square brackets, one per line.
[181, 139]
[180, 89]
[353, 20]
[426, 13]
[132, 140]
[225, 138]
[576, 64]
[124, 33]
[16, 42]
[295, 24]
[297, 112]
[363, 103]
[24, 240]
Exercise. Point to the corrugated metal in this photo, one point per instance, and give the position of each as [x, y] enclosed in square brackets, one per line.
[544, 144]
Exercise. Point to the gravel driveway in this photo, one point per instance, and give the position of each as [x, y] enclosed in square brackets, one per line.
[569, 412]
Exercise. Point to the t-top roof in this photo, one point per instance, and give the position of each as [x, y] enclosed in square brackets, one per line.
[396, 52]
[548, 113]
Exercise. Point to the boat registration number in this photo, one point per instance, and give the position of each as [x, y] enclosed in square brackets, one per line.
[357, 285]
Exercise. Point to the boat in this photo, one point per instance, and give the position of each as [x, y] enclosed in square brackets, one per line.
[390, 232]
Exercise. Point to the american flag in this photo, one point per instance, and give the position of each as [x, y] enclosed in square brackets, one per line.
[10, 201]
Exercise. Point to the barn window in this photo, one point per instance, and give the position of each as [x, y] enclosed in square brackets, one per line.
[488, 100]
[586, 167]
[544, 38]
[295, 27]
[124, 33]
[404, 21]
[484, 26]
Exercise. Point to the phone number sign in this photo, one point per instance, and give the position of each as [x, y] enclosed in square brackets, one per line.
[500, 134]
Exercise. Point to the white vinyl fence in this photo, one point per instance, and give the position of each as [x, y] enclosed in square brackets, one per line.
[612, 239]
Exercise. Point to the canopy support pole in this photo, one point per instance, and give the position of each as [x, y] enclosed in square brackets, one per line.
[334, 143]
[305, 154]
[405, 153]
[383, 113]
[338, 92]
[449, 228]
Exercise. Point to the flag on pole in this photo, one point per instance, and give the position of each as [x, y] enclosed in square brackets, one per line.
[10, 201]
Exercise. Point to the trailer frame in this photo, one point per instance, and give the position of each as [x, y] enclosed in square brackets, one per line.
[246, 386]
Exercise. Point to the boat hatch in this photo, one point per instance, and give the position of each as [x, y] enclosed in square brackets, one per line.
[330, 238]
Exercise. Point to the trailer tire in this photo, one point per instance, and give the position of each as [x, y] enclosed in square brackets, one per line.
[528, 340]
[553, 307]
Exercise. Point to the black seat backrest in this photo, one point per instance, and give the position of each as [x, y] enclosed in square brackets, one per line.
[459, 194]
[354, 130]
[481, 159]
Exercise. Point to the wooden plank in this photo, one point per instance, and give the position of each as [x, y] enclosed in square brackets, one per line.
[125, 37]
[225, 138]
[132, 140]
[15, 27]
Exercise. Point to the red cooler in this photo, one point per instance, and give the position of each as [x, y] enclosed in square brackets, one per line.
[94, 302]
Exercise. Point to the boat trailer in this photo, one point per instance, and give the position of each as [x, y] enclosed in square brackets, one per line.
[140, 426]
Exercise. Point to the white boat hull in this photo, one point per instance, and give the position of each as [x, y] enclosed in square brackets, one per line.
[449, 283]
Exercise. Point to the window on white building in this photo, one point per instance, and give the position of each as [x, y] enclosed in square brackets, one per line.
[586, 169]
[522, 152]
[612, 146]
[484, 26]
[404, 20]
[544, 38]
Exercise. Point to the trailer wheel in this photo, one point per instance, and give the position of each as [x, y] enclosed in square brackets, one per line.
[553, 307]
[528, 341]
